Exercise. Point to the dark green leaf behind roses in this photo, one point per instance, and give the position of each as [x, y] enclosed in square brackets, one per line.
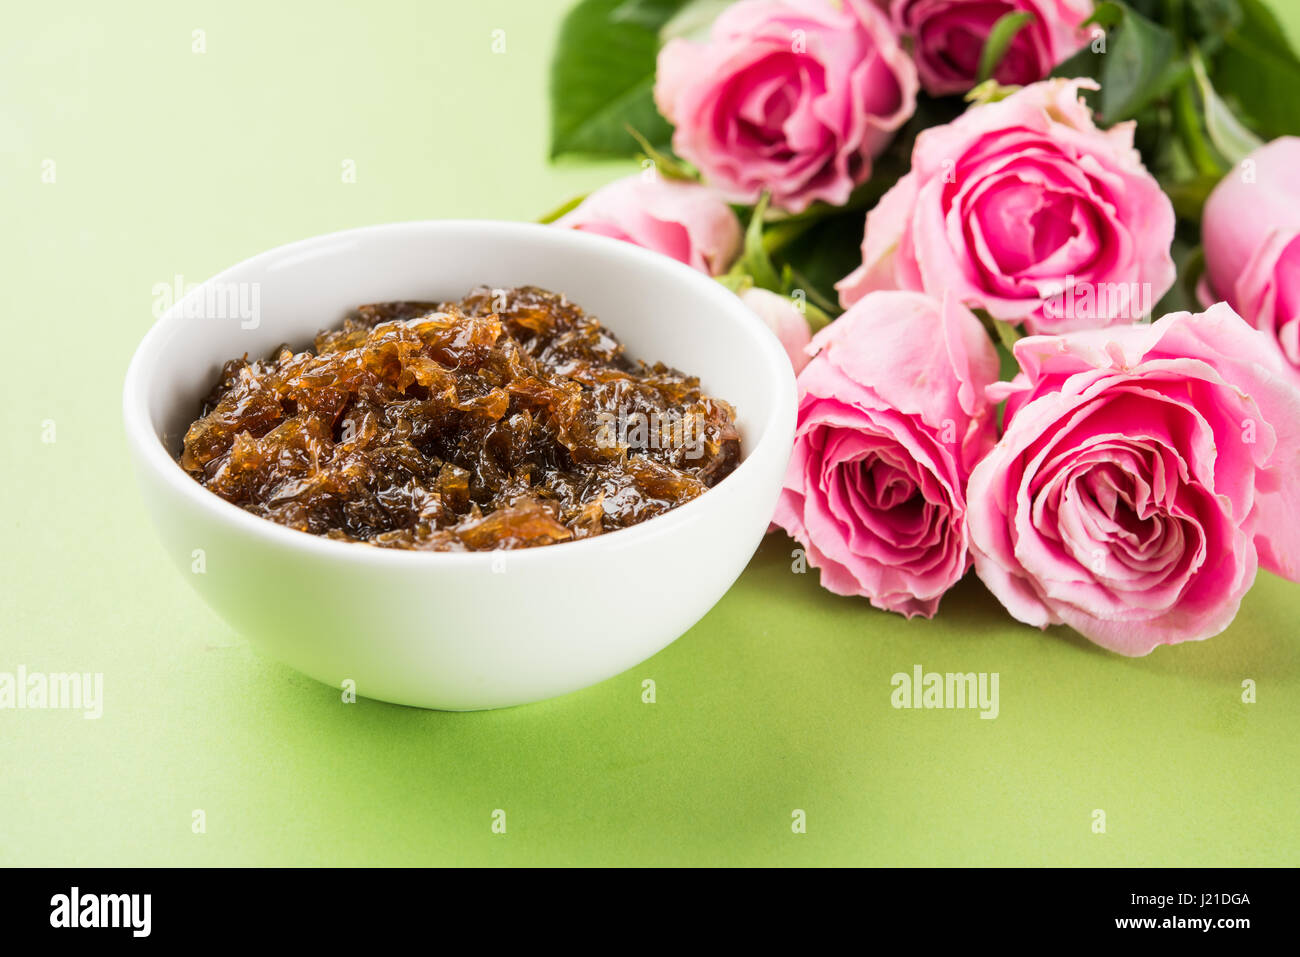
[602, 78]
[1190, 259]
[1138, 66]
[1258, 73]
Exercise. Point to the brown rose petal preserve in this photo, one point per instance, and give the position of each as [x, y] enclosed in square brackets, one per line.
[506, 420]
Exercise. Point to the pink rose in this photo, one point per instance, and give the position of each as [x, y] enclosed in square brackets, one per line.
[784, 318]
[1252, 242]
[892, 416]
[683, 220]
[795, 96]
[948, 37]
[1025, 208]
[1143, 473]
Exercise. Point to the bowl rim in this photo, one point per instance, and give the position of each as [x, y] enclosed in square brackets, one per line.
[151, 453]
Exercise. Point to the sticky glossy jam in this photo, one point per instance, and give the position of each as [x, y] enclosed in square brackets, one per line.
[509, 419]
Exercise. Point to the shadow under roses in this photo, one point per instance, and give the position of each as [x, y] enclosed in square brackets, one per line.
[777, 563]
[1261, 641]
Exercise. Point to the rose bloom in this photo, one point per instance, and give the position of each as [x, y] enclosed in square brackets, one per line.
[1025, 208]
[1143, 474]
[892, 416]
[1251, 232]
[795, 96]
[683, 220]
[783, 317]
[948, 37]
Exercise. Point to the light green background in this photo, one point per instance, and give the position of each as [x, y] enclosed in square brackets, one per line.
[173, 162]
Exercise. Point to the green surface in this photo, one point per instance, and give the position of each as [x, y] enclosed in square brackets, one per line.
[173, 162]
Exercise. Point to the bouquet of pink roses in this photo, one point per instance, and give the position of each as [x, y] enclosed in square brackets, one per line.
[1035, 262]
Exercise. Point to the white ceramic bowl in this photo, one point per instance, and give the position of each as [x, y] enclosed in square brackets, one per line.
[461, 631]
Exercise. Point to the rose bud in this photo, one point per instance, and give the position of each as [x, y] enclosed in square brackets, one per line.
[683, 220]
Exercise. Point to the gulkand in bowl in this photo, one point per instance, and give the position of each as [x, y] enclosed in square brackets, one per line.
[462, 630]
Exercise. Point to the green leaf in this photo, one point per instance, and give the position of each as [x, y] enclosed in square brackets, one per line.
[1209, 21]
[1154, 137]
[602, 78]
[822, 255]
[818, 319]
[1004, 333]
[1136, 62]
[1257, 71]
[795, 285]
[1008, 334]
[736, 282]
[990, 91]
[647, 14]
[1189, 195]
[1257, 23]
[1008, 369]
[666, 164]
[1233, 141]
[567, 206]
[754, 260]
[1004, 336]
[1189, 258]
[1191, 139]
[999, 41]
